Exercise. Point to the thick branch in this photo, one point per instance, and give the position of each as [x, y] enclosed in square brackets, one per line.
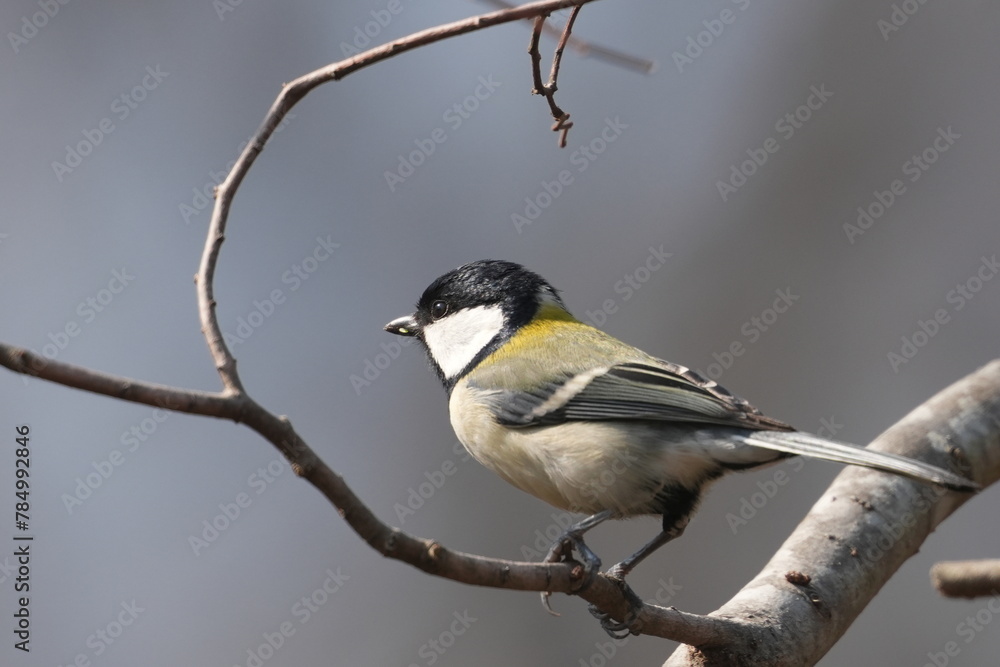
[858, 534]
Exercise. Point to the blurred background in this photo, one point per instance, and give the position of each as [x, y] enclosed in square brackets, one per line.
[713, 204]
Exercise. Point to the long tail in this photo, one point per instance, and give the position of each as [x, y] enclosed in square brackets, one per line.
[804, 444]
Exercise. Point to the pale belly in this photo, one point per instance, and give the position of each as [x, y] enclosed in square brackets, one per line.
[585, 467]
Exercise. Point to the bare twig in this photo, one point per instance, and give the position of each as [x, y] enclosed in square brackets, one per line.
[560, 47]
[586, 49]
[967, 578]
[190, 401]
[562, 124]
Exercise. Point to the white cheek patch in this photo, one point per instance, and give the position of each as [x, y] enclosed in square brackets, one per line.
[456, 340]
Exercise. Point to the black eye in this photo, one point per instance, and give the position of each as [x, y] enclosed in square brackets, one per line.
[439, 309]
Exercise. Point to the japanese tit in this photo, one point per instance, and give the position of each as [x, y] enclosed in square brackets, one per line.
[590, 424]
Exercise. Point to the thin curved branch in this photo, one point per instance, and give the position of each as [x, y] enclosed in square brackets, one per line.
[289, 96]
[190, 401]
[560, 47]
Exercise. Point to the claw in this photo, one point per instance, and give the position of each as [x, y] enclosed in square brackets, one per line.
[618, 573]
[546, 603]
[562, 551]
[615, 629]
[630, 625]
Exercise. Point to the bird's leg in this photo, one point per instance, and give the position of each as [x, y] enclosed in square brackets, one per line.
[630, 625]
[620, 570]
[562, 550]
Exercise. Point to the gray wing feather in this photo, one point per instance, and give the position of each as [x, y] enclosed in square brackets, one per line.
[664, 392]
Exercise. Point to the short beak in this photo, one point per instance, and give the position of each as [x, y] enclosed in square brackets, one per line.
[403, 326]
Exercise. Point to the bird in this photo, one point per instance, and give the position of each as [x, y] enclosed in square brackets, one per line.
[593, 425]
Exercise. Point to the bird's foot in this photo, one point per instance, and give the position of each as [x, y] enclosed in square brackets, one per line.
[630, 625]
[561, 552]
